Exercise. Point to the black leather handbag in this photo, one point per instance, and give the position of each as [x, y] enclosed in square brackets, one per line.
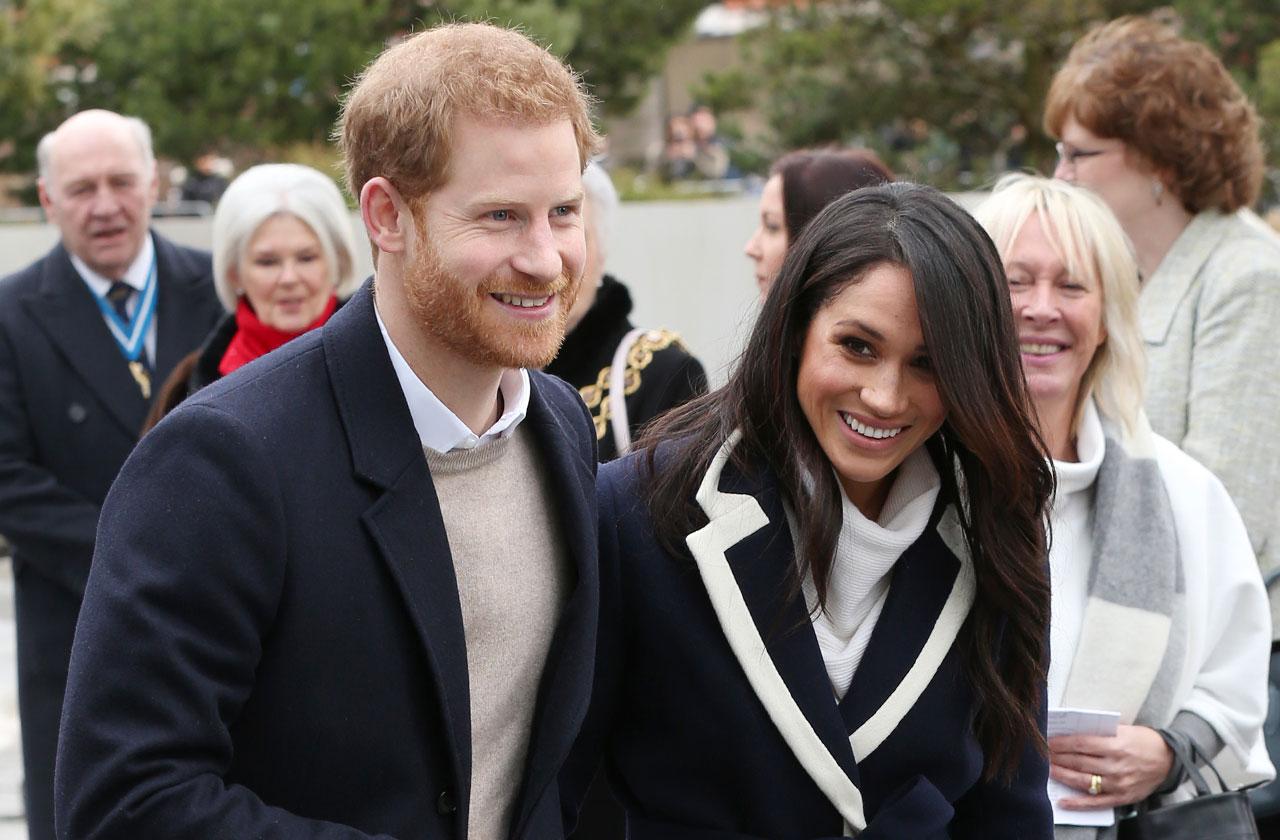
[1225, 815]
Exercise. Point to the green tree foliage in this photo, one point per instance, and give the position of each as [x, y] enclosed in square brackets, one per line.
[248, 77]
[33, 36]
[1267, 97]
[556, 25]
[230, 73]
[937, 85]
[617, 45]
[623, 44]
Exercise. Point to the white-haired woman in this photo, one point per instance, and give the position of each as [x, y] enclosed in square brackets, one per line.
[283, 255]
[1158, 607]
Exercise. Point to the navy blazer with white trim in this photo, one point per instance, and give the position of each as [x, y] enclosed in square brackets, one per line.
[690, 749]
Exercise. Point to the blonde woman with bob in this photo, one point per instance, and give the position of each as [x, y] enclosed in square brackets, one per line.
[1158, 607]
[1156, 126]
[283, 256]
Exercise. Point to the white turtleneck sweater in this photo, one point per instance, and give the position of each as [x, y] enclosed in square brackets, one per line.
[865, 556]
[1071, 553]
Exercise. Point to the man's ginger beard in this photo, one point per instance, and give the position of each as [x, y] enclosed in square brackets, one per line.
[464, 318]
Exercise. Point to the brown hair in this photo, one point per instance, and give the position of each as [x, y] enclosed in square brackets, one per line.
[812, 179]
[993, 465]
[1169, 99]
[397, 120]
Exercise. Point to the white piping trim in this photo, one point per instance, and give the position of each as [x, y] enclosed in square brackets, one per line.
[734, 517]
[880, 725]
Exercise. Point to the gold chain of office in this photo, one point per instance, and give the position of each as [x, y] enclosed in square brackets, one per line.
[596, 395]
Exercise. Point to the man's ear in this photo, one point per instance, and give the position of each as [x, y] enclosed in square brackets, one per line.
[45, 201]
[153, 189]
[386, 216]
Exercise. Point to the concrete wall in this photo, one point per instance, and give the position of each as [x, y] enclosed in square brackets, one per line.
[682, 260]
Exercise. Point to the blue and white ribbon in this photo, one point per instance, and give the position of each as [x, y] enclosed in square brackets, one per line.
[131, 335]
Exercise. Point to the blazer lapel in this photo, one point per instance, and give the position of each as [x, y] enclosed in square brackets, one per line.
[65, 309]
[185, 309]
[405, 521]
[407, 526]
[1164, 290]
[928, 602]
[744, 565]
[762, 566]
[565, 689]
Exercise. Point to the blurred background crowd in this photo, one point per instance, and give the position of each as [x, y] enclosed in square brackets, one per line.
[696, 98]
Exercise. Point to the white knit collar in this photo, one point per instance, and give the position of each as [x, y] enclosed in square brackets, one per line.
[866, 551]
[915, 477]
[1074, 476]
[906, 509]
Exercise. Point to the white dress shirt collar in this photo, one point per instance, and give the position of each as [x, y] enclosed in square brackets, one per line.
[135, 276]
[438, 428]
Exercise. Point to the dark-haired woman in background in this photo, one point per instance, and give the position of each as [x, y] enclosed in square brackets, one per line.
[800, 184]
[824, 597]
[1157, 127]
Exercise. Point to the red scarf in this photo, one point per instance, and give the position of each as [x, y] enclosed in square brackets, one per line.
[254, 338]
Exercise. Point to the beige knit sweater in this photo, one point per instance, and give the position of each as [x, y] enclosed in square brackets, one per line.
[514, 577]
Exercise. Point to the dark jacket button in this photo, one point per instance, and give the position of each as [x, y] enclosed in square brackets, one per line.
[77, 413]
[446, 805]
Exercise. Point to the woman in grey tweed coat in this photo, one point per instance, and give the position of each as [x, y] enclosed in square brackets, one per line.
[1157, 127]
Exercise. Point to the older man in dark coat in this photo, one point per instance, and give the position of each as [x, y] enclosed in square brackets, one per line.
[84, 331]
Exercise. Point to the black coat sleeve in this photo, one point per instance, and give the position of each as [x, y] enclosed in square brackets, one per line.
[51, 523]
[689, 381]
[185, 583]
[674, 378]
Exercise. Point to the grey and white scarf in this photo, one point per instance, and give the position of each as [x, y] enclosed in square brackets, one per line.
[1131, 648]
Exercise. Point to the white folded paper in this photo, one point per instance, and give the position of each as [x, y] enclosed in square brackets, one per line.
[1079, 722]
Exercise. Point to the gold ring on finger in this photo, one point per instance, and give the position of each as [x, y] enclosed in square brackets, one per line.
[1095, 785]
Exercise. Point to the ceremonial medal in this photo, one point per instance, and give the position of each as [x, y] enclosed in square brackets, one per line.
[130, 334]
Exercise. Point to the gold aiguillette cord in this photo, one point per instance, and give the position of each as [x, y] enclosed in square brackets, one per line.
[143, 378]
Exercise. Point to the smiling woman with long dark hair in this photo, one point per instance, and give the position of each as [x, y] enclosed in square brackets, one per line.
[824, 595]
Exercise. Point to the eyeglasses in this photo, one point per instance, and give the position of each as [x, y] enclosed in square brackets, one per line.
[1073, 156]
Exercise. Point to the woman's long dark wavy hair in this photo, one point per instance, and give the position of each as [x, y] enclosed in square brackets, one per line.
[986, 451]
